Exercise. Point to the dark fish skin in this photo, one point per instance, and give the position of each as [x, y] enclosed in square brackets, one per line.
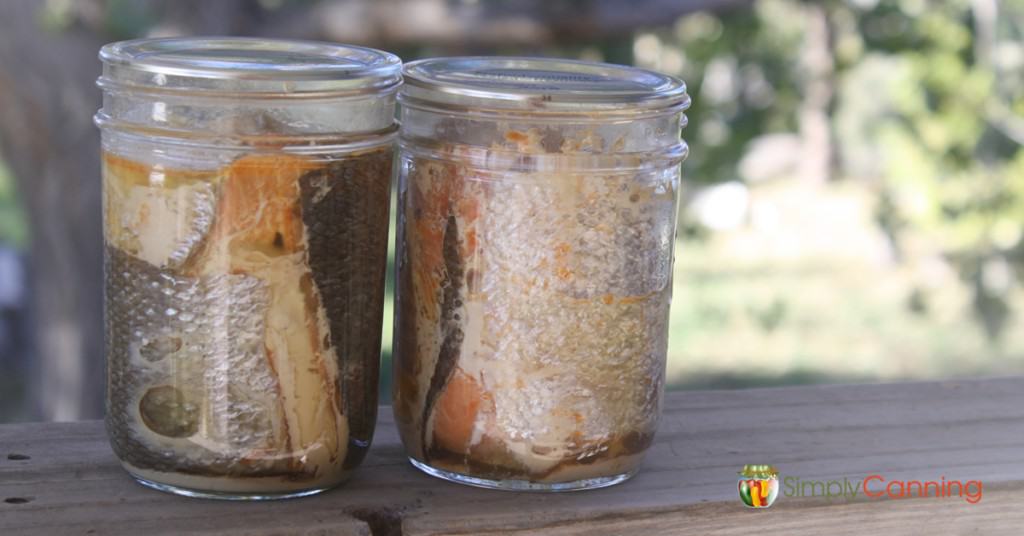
[345, 209]
[451, 327]
[183, 339]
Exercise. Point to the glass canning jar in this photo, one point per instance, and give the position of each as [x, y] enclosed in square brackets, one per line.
[246, 195]
[536, 222]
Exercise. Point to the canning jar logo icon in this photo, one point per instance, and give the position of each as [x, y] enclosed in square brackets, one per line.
[759, 485]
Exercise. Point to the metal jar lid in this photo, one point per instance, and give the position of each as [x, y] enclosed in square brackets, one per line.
[539, 85]
[260, 68]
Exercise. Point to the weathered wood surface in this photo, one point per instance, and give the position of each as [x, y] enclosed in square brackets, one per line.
[969, 430]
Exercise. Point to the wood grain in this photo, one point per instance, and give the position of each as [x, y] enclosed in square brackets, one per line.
[72, 484]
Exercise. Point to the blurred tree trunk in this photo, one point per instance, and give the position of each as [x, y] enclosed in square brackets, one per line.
[817, 68]
[47, 97]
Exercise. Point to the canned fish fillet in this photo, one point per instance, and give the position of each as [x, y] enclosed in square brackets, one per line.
[537, 211]
[246, 192]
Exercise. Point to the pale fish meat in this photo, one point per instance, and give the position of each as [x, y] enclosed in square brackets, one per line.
[259, 232]
[159, 218]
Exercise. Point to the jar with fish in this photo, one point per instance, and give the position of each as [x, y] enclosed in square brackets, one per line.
[246, 195]
[536, 223]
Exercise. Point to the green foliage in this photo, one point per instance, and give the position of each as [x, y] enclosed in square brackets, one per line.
[127, 19]
[927, 108]
[953, 169]
[740, 68]
[13, 230]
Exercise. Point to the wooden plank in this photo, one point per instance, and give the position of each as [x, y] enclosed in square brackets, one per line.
[998, 514]
[970, 430]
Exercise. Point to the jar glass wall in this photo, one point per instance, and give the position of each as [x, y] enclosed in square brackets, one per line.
[246, 195]
[536, 222]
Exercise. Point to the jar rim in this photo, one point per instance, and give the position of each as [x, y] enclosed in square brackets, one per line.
[245, 65]
[539, 85]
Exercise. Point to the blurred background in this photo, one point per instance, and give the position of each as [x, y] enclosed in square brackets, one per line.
[853, 206]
